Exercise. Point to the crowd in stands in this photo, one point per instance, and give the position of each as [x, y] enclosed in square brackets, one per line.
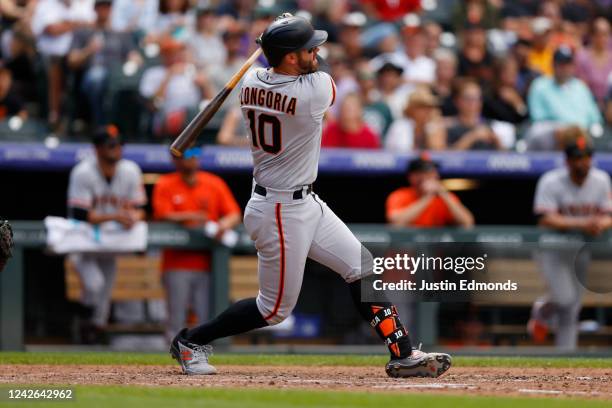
[410, 75]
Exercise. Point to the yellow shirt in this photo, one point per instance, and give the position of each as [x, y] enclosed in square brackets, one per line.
[542, 61]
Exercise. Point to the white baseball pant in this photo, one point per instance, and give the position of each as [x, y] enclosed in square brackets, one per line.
[286, 231]
[97, 273]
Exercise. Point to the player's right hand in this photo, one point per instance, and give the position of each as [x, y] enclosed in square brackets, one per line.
[126, 219]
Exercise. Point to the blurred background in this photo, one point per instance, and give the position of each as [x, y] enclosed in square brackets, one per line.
[491, 92]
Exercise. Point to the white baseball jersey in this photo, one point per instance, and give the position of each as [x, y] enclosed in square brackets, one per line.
[284, 115]
[89, 189]
[556, 192]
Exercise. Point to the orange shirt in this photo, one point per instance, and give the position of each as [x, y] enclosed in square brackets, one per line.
[436, 214]
[210, 195]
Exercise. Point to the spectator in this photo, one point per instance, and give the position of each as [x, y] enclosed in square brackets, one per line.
[446, 73]
[526, 75]
[174, 19]
[426, 203]
[468, 130]
[206, 43]
[541, 53]
[52, 27]
[102, 189]
[344, 78]
[134, 16]
[418, 67]
[574, 198]
[559, 101]
[475, 61]
[10, 102]
[432, 32]
[420, 128]
[192, 198]
[482, 13]
[390, 10]
[222, 71]
[504, 102]
[376, 113]
[174, 89]
[563, 31]
[394, 92]
[350, 34]
[96, 51]
[237, 9]
[594, 63]
[350, 130]
[263, 16]
[608, 107]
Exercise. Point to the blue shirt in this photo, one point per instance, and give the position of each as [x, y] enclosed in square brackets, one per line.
[571, 103]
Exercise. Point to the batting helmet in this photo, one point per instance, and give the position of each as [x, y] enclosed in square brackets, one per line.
[288, 34]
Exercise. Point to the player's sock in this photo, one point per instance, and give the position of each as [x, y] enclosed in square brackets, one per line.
[240, 317]
[383, 317]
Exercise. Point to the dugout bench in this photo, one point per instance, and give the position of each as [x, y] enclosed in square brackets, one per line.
[31, 234]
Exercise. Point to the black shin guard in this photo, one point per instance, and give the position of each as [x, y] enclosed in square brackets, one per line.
[240, 317]
[383, 317]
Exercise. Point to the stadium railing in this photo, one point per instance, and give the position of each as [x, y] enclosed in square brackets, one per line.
[517, 240]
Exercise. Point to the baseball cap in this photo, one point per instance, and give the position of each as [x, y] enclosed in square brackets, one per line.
[411, 23]
[563, 55]
[540, 25]
[98, 2]
[354, 19]
[107, 135]
[422, 163]
[192, 152]
[579, 148]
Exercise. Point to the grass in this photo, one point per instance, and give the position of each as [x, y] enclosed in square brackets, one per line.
[113, 358]
[117, 396]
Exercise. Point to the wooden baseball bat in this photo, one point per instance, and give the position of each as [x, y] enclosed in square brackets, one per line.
[188, 136]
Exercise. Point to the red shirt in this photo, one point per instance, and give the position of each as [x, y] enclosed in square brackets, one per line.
[436, 214]
[391, 10]
[210, 195]
[335, 136]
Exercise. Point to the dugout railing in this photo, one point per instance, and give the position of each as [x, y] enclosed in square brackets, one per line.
[514, 243]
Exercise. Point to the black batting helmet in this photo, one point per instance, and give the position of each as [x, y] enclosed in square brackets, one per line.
[288, 34]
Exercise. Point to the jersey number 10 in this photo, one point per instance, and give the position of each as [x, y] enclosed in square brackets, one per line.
[257, 124]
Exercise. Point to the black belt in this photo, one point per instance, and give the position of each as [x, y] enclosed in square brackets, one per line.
[297, 194]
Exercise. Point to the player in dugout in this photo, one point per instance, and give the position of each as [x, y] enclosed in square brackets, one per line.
[426, 202]
[192, 198]
[577, 197]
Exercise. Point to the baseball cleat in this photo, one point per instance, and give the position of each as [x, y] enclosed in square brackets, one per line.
[538, 330]
[537, 326]
[419, 364]
[193, 358]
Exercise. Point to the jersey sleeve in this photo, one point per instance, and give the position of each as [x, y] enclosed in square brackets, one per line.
[80, 193]
[545, 200]
[323, 94]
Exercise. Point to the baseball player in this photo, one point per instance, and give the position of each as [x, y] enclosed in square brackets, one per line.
[577, 197]
[103, 188]
[283, 107]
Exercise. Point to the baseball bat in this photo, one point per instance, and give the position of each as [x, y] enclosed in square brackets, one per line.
[194, 128]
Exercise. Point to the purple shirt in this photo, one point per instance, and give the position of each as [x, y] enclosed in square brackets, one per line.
[594, 73]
